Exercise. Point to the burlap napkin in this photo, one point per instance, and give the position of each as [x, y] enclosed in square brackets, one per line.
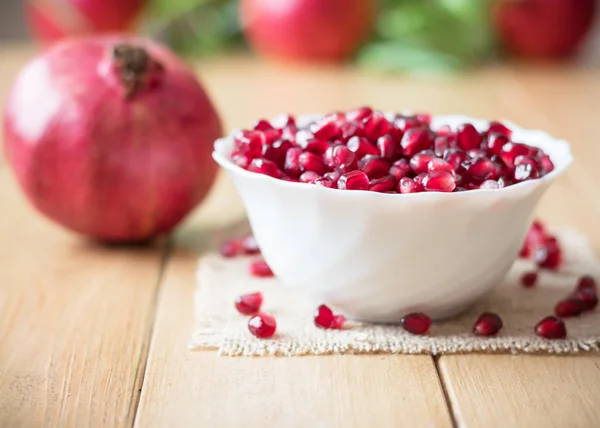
[220, 327]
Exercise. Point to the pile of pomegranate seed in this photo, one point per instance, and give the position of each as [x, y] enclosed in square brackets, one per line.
[488, 324]
[416, 323]
[248, 304]
[363, 150]
[324, 318]
[542, 246]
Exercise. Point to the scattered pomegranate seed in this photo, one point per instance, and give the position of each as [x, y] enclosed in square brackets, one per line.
[261, 269]
[587, 282]
[551, 328]
[416, 323]
[588, 297]
[548, 256]
[570, 307]
[248, 304]
[262, 325]
[325, 318]
[404, 147]
[249, 245]
[231, 248]
[354, 180]
[488, 324]
[529, 279]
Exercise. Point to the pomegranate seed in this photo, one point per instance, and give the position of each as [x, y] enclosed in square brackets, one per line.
[524, 252]
[324, 182]
[546, 164]
[415, 140]
[309, 177]
[416, 323]
[326, 130]
[289, 132]
[276, 152]
[444, 131]
[419, 162]
[262, 125]
[311, 162]
[400, 169]
[479, 169]
[405, 123]
[476, 153]
[241, 161]
[588, 297]
[440, 145]
[587, 282]
[488, 324]
[361, 147]
[529, 279]
[292, 162]
[375, 126]
[250, 144]
[510, 151]
[570, 307]
[374, 166]
[248, 304]
[439, 181]
[261, 269]
[351, 129]
[548, 256]
[264, 166]
[551, 328]
[317, 147]
[324, 318]
[333, 176]
[249, 245]
[408, 185]
[290, 121]
[455, 157]
[437, 164]
[424, 118]
[231, 248]
[387, 147]
[262, 325]
[495, 142]
[420, 177]
[468, 137]
[383, 184]
[499, 128]
[489, 184]
[354, 180]
[359, 114]
[343, 158]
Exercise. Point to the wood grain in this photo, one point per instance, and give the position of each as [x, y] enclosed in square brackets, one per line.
[75, 322]
[523, 392]
[184, 388]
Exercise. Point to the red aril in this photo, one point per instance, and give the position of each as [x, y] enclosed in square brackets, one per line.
[262, 325]
[479, 169]
[489, 184]
[361, 147]
[311, 162]
[439, 181]
[510, 151]
[383, 184]
[529, 279]
[325, 182]
[359, 114]
[570, 307]
[588, 297]
[374, 166]
[415, 140]
[416, 323]
[468, 137]
[455, 157]
[354, 180]
[248, 304]
[343, 159]
[292, 165]
[127, 158]
[261, 269]
[587, 282]
[488, 324]
[265, 166]
[548, 256]
[387, 147]
[438, 164]
[495, 142]
[408, 185]
[499, 128]
[276, 152]
[249, 245]
[400, 169]
[231, 248]
[376, 126]
[325, 318]
[419, 162]
[551, 328]
[306, 29]
[309, 177]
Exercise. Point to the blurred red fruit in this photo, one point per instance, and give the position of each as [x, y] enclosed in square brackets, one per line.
[53, 20]
[544, 29]
[306, 29]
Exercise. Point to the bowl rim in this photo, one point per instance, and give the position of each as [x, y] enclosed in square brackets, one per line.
[223, 146]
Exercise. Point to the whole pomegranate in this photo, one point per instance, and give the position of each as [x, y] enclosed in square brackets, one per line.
[111, 137]
[544, 29]
[306, 29]
[51, 20]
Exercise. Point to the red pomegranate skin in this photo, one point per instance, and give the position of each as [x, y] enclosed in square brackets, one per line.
[102, 165]
[544, 29]
[50, 21]
[306, 30]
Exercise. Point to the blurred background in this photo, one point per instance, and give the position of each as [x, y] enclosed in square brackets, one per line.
[385, 35]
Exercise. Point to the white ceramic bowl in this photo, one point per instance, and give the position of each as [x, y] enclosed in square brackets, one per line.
[377, 256]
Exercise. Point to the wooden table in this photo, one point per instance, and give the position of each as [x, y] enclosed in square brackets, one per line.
[96, 336]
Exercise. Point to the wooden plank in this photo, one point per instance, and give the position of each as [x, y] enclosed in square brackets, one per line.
[75, 323]
[529, 391]
[184, 388]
